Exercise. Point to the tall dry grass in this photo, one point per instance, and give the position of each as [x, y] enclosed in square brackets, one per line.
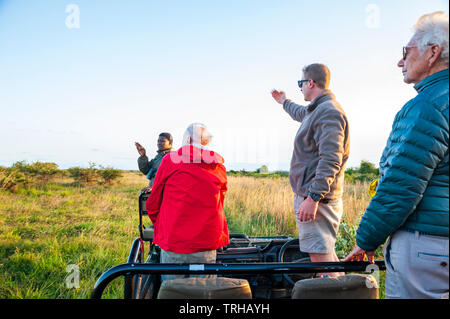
[259, 206]
[264, 206]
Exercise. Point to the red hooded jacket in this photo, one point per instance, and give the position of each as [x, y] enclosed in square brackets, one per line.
[186, 203]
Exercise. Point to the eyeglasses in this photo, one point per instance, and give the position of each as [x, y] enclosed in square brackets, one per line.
[405, 51]
[300, 82]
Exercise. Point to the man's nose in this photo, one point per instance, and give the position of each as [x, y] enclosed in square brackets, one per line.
[400, 63]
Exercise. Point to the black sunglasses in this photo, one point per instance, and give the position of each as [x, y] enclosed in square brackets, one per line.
[300, 82]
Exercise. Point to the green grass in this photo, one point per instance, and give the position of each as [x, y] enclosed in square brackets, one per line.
[44, 229]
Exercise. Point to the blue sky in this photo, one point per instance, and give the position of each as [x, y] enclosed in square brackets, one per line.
[133, 69]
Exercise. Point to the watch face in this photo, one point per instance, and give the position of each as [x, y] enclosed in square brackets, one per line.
[315, 197]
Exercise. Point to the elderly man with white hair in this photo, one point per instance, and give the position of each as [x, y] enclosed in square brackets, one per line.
[411, 204]
[186, 203]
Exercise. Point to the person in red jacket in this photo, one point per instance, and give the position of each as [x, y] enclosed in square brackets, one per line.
[186, 203]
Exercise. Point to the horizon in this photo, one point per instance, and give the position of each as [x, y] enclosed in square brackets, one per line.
[82, 80]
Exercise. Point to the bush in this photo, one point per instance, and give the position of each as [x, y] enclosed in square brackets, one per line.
[92, 174]
[83, 175]
[109, 174]
[263, 170]
[345, 239]
[365, 173]
[41, 172]
[12, 178]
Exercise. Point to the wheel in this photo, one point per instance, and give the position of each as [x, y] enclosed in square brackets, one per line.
[290, 252]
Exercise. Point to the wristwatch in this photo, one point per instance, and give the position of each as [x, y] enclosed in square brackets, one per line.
[315, 197]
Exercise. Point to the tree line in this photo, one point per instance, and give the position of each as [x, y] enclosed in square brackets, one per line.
[366, 172]
[22, 174]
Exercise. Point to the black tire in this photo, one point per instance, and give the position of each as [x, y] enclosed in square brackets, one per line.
[290, 252]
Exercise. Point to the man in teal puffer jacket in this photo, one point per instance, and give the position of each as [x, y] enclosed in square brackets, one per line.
[411, 204]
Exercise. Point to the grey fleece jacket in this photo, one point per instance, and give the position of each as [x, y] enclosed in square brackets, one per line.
[150, 168]
[321, 147]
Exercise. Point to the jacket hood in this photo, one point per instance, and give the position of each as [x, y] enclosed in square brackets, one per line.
[193, 154]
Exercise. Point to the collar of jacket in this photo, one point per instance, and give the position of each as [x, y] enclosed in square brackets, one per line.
[168, 150]
[324, 96]
[431, 79]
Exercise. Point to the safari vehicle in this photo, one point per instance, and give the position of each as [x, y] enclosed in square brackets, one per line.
[272, 268]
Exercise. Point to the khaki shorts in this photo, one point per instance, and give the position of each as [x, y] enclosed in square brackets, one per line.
[319, 236]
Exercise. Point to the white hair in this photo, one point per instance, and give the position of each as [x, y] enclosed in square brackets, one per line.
[430, 29]
[197, 133]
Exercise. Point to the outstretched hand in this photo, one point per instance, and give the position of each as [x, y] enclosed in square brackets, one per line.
[140, 149]
[279, 96]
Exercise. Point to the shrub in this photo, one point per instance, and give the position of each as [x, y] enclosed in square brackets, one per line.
[12, 178]
[109, 174]
[365, 173]
[41, 172]
[83, 175]
[345, 239]
[92, 174]
[263, 170]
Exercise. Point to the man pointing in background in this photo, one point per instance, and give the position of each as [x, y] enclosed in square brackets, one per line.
[321, 150]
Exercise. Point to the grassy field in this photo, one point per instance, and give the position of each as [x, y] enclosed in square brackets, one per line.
[45, 229]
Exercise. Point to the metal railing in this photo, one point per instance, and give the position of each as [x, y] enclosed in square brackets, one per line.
[133, 268]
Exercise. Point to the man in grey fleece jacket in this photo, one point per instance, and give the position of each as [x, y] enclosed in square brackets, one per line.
[321, 150]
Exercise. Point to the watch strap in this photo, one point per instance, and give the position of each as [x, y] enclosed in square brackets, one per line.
[315, 197]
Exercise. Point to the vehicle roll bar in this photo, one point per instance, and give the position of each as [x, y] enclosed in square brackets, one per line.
[230, 268]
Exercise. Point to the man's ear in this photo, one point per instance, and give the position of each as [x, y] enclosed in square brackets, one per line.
[434, 55]
[204, 141]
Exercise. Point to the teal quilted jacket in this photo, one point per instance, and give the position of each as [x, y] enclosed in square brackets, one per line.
[413, 191]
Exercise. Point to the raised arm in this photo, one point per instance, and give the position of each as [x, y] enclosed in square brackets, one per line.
[297, 112]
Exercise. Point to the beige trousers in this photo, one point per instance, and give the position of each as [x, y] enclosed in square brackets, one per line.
[203, 257]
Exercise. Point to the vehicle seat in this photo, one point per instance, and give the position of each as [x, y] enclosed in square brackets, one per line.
[148, 233]
[205, 288]
[352, 286]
